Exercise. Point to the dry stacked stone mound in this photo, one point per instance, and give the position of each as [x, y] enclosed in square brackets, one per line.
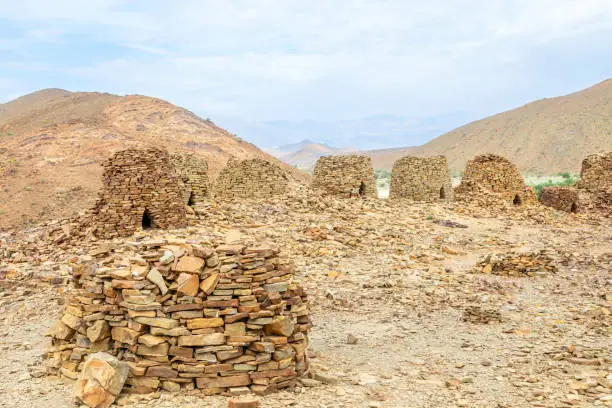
[193, 174]
[566, 199]
[251, 178]
[345, 176]
[139, 190]
[224, 318]
[489, 178]
[596, 172]
[421, 179]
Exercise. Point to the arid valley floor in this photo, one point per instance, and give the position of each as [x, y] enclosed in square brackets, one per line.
[407, 309]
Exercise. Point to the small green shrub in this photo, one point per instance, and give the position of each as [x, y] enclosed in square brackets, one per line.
[567, 181]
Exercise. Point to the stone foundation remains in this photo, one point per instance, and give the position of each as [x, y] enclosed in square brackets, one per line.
[193, 174]
[222, 318]
[592, 193]
[421, 179]
[490, 179]
[562, 198]
[251, 178]
[140, 190]
[345, 176]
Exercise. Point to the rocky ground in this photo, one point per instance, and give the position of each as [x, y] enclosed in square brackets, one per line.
[413, 305]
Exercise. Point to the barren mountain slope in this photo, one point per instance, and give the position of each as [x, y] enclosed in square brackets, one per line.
[52, 143]
[307, 155]
[546, 136]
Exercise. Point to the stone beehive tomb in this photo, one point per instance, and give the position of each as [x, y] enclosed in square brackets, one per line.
[251, 178]
[139, 190]
[562, 198]
[596, 172]
[421, 179]
[220, 318]
[193, 174]
[345, 176]
[489, 178]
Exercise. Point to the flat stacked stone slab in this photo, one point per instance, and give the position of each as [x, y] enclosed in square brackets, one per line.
[184, 316]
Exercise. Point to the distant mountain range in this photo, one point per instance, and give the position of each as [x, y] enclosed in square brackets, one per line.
[543, 137]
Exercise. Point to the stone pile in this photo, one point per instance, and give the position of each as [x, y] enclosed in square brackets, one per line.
[421, 179]
[490, 179]
[566, 199]
[596, 172]
[251, 178]
[345, 176]
[517, 264]
[193, 176]
[139, 190]
[480, 315]
[225, 318]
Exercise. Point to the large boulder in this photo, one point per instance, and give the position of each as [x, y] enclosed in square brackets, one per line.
[101, 380]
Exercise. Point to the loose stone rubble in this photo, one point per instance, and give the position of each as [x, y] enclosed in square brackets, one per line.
[193, 174]
[140, 190]
[252, 178]
[517, 264]
[421, 179]
[489, 179]
[219, 317]
[345, 176]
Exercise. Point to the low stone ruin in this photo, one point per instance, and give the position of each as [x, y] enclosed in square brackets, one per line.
[592, 193]
[251, 179]
[140, 190]
[517, 264]
[421, 179]
[596, 172]
[566, 199]
[345, 176]
[490, 179]
[193, 174]
[225, 318]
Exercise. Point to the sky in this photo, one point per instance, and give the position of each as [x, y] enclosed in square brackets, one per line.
[276, 71]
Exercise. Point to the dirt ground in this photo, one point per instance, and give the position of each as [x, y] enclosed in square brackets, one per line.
[404, 283]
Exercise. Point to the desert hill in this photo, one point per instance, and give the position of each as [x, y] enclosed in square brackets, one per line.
[53, 141]
[546, 136]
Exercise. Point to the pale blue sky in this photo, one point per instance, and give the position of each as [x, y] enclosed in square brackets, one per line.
[247, 64]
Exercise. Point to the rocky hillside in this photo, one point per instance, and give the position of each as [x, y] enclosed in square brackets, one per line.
[546, 136]
[307, 155]
[52, 143]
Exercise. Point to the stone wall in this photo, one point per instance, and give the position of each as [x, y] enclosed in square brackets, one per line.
[421, 179]
[562, 198]
[345, 176]
[251, 178]
[489, 178]
[217, 317]
[139, 190]
[193, 173]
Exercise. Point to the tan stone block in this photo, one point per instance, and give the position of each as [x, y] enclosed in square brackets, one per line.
[150, 341]
[101, 380]
[125, 335]
[201, 340]
[281, 326]
[235, 329]
[159, 350]
[204, 323]
[190, 264]
[98, 331]
[188, 284]
[223, 382]
[161, 322]
[208, 285]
